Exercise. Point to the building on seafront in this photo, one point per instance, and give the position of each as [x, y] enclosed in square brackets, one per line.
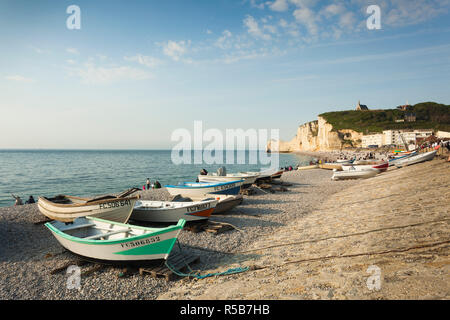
[395, 137]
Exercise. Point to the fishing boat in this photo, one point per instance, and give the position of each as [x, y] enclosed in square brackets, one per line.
[225, 202]
[268, 174]
[199, 189]
[383, 166]
[67, 208]
[354, 174]
[421, 157]
[116, 243]
[166, 211]
[331, 166]
[248, 178]
[313, 166]
[396, 159]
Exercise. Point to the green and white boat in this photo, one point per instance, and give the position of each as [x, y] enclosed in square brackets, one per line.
[116, 243]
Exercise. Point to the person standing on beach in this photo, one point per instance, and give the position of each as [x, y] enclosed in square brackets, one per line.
[148, 183]
[18, 200]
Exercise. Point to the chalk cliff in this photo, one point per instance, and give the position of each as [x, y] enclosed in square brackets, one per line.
[318, 136]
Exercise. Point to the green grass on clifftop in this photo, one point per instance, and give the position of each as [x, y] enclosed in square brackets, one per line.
[429, 115]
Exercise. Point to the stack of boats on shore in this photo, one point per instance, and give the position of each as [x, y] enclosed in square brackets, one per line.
[97, 228]
[362, 169]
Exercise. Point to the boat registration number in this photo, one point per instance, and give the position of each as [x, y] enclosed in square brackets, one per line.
[224, 187]
[142, 242]
[115, 204]
[199, 207]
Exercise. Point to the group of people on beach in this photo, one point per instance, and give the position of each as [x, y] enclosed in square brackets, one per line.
[148, 184]
[19, 201]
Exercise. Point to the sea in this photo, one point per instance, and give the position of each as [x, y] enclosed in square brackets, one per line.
[96, 172]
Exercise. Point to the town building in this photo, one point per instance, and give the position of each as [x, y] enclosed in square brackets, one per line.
[395, 137]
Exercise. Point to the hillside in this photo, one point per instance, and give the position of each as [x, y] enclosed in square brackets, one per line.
[429, 115]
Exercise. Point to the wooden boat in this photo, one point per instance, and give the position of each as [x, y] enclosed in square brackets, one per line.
[331, 166]
[313, 166]
[67, 208]
[166, 211]
[113, 242]
[396, 159]
[354, 174]
[249, 179]
[268, 174]
[225, 202]
[421, 157]
[383, 166]
[199, 189]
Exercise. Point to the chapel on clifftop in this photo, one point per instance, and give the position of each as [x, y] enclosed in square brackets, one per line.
[360, 106]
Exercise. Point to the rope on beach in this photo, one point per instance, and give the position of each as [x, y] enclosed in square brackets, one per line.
[197, 275]
[357, 254]
[341, 236]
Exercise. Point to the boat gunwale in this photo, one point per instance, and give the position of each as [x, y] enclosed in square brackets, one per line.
[210, 184]
[158, 231]
[86, 204]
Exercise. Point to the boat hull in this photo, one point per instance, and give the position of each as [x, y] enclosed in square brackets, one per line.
[248, 179]
[355, 174]
[331, 166]
[201, 189]
[147, 247]
[421, 157]
[226, 202]
[189, 211]
[118, 210]
[381, 167]
[313, 166]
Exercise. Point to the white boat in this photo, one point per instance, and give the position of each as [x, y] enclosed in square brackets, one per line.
[266, 174]
[421, 157]
[381, 166]
[313, 166]
[248, 178]
[199, 189]
[67, 208]
[113, 242]
[166, 211]
[225, 202]
[354, 174]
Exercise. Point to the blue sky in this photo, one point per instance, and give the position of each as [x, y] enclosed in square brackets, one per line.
[138, 70]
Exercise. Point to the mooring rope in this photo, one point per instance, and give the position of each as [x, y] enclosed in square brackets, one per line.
[197, 275]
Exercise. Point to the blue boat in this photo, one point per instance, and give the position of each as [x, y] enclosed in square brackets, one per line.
[196, 189]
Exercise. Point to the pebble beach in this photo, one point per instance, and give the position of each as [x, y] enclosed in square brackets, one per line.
[314, 241]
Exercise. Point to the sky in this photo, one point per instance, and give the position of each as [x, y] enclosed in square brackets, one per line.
[136, 71]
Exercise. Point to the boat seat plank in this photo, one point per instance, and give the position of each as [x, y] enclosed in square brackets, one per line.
[102, 235]
[80, 226]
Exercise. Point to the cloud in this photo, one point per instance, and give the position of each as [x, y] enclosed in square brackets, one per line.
[90, 73]
[147, 61]
[224, 42]
[307, 17]
[253, 28]
[279, 5]
[174, 49]
[19, 78]
[72, 51]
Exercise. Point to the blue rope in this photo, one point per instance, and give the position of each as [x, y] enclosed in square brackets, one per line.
[198, 275]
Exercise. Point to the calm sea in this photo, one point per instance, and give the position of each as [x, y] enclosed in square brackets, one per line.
[89, 172]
